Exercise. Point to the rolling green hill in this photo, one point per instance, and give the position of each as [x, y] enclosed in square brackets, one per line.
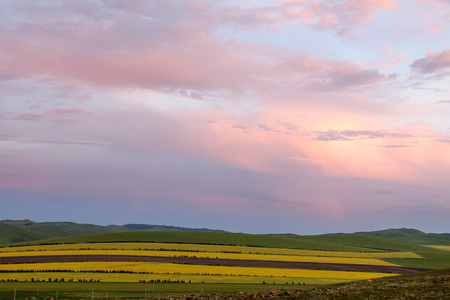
[214, 238]
[15, 231]
[410, 236]
[29, 232]
[432, 258]
[13, 234]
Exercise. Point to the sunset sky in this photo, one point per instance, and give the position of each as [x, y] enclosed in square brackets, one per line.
[302, 116]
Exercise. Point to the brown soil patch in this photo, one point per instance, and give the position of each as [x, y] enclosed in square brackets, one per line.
[212, 262]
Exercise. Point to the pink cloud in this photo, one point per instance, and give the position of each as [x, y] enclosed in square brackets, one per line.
[436, 28]
[72, 111]
[166, 45]
[59, 115]
[337, 15]
[429, 1]
[73, 142]
[22, 182]
[348, 74]
[94, 42]
[261, 143]
[29, 116]
[389, 58]
[435, 63]
[325, 75]
[276, 164]
[6, 135]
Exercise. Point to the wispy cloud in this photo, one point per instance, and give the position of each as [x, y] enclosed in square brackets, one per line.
[437, 63]
[440, 102]
[395, 146]
[73, 142]
[347, 135]
[59, 115]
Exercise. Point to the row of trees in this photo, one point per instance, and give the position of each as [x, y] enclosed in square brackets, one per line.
[51, 280]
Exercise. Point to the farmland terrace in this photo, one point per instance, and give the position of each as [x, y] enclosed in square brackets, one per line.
[210, 262]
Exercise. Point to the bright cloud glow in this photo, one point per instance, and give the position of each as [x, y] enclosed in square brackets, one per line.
[269, 116]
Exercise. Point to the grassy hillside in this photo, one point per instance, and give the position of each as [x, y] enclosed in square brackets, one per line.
[367, 243]
[146, 227]
[433, 258]
[26, 230]
[14, 231]
[12, 234]
[386, 240]
[410, 236]
[219, 238]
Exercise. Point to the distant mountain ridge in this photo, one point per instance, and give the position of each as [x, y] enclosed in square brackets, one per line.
[16, 231]
[409, 235]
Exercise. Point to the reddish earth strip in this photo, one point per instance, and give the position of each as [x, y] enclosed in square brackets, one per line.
[211, 262]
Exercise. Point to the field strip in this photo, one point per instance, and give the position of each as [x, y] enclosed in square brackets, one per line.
[146, 269]
[208, 248]
[439, 247]
[216, 262]
[117, 277]
[207, 255]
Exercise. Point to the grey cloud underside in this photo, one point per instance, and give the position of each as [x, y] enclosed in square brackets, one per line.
[348, 135]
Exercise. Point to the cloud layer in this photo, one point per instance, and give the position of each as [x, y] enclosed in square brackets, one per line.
[269, 116]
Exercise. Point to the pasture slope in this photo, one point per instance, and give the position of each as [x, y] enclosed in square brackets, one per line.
[152, 264]
[16, 231]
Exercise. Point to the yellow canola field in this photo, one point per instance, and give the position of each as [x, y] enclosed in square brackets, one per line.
[195, 273]
[440, 247]
[116, 277]
[209, 248]
[238, 256]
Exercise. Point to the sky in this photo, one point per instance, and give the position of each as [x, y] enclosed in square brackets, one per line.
[267, 116]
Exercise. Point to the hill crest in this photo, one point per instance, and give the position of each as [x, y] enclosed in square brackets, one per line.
[16, 231]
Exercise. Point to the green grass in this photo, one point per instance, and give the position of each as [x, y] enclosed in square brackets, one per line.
[436, 259]
[214, 238]
[26, 230]
[12, 234]
[14, 231]
[367, 243]
[419, 275]
[83, 290]
[425, 285]
[412, 236]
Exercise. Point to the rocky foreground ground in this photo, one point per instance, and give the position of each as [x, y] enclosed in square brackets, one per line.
[433, 287]
[423, 288]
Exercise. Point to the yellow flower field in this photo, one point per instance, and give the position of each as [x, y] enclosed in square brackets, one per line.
[337, 260]
[440, 247]
[210, 248]
[138, 271]
[115, 277]
[162, 271]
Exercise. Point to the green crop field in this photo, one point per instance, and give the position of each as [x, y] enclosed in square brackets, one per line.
[87, 290]
[201, 249]
[207, 238]
[205, 272]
